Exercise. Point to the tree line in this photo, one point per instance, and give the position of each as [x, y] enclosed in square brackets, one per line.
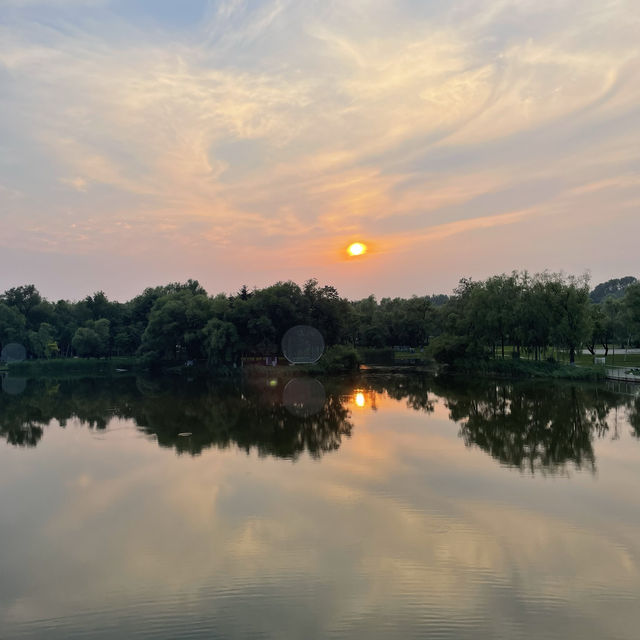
[181, 321]
[535, 315]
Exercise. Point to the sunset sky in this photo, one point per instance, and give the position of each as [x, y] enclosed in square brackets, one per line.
[250, 141]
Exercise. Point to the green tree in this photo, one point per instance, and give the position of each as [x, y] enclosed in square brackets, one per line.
[631, 303]
[42, 343]
[102, 329]
[66, 322]
[176, 325]
[501, 293]
[23, 298]
[574, 322]
[606, 324]
[614, 322]
[222, 344]
[12, 325]
[261, 335]
[614, 288]
[86, 342]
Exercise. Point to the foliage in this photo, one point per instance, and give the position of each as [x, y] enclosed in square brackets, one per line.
[73, 366]
[222, 343]
[631, 309]
[516, 368]
[614, 288]
[176, 326]
[448, 348]
[340, 359]
[12, 324]
[515, 314]
[530, 313]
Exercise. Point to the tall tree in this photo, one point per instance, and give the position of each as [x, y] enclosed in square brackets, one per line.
[12, 325]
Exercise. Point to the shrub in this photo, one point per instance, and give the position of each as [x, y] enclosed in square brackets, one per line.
[340, 358]
[447, 348]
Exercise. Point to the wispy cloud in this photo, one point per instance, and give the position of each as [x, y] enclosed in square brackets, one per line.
[268, 126]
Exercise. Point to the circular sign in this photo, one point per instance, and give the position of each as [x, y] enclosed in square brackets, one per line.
[303, 397]
[302, 345]
[13, 352]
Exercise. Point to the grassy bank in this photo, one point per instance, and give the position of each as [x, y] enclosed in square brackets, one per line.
[388, 357]
[337, 360]
[74, 366]
[615, 358]
[526, 369]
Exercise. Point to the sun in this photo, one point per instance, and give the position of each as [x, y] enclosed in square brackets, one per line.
[357, 249]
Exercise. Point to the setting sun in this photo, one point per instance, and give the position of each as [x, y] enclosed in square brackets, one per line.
[357, 249]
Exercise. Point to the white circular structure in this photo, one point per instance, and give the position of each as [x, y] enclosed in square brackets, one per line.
[302, 344]
[13, 352]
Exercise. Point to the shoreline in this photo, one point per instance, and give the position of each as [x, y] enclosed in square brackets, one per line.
[485, 368]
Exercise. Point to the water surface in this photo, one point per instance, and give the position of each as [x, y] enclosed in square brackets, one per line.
[343, 508]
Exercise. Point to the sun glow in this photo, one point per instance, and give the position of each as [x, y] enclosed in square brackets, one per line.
[360, 399]
[357, 249]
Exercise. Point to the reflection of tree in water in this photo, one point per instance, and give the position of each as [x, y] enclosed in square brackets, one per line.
[634, 416]
[214, 415]
[245, 417]
[534, 426]
[415, 389]
[23, 416]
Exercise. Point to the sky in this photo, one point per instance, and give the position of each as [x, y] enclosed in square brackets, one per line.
[250, 141]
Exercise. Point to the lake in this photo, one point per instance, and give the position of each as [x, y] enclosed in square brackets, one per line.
[375, 506]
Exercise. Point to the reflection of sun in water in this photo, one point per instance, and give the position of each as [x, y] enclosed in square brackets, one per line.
[357, 249]
[360, 401]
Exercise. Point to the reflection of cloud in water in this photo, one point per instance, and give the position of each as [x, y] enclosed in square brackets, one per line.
[430, 546]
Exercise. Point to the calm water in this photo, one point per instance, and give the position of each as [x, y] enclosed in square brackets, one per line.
[374, 507]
